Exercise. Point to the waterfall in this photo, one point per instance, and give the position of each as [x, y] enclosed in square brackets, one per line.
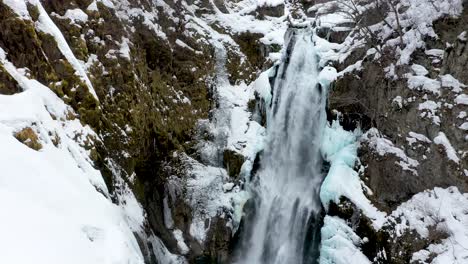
[285, 229]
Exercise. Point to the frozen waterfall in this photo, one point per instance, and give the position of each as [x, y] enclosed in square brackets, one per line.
[286, 227]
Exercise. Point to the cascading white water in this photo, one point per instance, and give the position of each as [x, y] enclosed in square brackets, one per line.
[287, 185]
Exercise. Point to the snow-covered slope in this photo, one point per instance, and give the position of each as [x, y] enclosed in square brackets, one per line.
[55, 204]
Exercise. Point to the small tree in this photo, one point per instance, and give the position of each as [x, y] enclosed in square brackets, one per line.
[357, 10]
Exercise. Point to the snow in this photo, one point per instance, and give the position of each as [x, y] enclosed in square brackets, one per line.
[227, 187]
[442, 139]
[420, 19]
[46, 25]
[262, 86]
[443, 209]
[398, 100]
[416, 18]
[450, 82]
[206, 197]
[419, 70]
[462, 99]
[93, 6]
[180, 241]
[270, 3]
[327, 75]
[435, 53]
[462, 114]
[125, 49]
[339, 147]
[339, 243]
[239, 20]
[56, 193]
[331, 20]
[244, 136]
[106, 3]
[462, 36]
[19, 7]
[425, 84]
[76, 15]
[430, 109]
[128, 12]
[464, 126]
[413, 137]
[162, 254]
[385, 147]
[184, 45]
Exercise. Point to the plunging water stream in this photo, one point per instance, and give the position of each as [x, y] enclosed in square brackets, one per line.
[286, 225]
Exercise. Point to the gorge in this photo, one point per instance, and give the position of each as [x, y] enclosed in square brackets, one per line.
[233, 132]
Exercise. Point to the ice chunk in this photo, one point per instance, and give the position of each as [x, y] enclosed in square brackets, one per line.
[340, 245]
[339, 147]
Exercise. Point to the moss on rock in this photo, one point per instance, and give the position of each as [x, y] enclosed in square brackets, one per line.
[28, 137]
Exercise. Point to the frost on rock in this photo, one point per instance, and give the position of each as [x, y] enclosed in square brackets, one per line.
[207, 199]
[339, 243]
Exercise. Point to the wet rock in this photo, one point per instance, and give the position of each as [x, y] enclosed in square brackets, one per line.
[233, 161]
[217, 248]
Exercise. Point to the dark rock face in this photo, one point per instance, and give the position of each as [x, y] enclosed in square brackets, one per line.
[456, 56]
[266, 10]
[366, 99]
[233, 162]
